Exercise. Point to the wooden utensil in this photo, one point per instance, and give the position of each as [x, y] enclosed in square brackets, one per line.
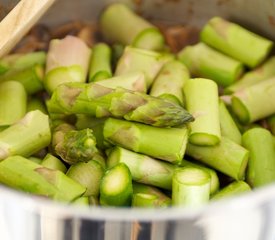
[19, 21]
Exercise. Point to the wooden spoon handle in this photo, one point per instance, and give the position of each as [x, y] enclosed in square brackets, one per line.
[19, 21]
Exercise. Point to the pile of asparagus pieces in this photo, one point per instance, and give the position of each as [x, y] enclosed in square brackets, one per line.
[129, 123]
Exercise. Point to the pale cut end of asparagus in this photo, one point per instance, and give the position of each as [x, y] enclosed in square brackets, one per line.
[116, 186]
[190, 187]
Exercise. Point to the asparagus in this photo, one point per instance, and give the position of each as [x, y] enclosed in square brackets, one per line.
[30, 78]
[23, 174]
[99, 101]
[146, 200]
[263, 72]
[17, 61]
[116, 186]
[67, 61]
[170, 81]
[167, 144]
[214, 180]
[229, 128]
[117, 51]
[254, 102]
[236, 41]
[81, 201]
[74, 145]
[135, 59]
[234, 189]
[201, 96]
[261, 164]
[88, 174]
[120, 24]
[160, 200]
[13, 102]
[190, 187]
[203, 61]
[144, 169]
[53, 162]
[271, 123]
[226, 157]
[93, 201]
[35, 103]
[100, 64]
[25, 137]
[134, 81]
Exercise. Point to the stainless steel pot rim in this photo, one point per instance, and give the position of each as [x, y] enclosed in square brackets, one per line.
[36, 204]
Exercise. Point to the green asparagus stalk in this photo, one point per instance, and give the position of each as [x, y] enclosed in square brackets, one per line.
[74, 145]
[170, 81]
[201, 96]
[203, 61]
[226, 157]
[35, 103]
[160, 200]
[214, 180]
[117, 51]
[96, 124]
[67, 61]
[116, 186]
[134, 81]
[35, 160]
[53, 162]
[100, 64]
[236, 41]
[13, 102]
[229, 128]
[95, 100]
[88, 174]
[190, 187]
[254, 102]
[17, 61]
[136, 60]
[263, 72]
[30, 78]
[271, 123]
[261, 164]
[81, 201]
[167, 144]
[25, 137]
[20, 173]
[146, 200]
[143, 168]
[120, 24]
[234, 189]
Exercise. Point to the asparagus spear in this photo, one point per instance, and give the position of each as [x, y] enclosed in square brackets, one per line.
[203, 61]
[229, 128]
[226, 157]
[201, 96]
[30, 78]
[190, 187]
[160, 198]
[35, 160]
[263, 72]
[147, 200]
[163, 143]
[67, 61]
[254, 102]
[74, 145]
[116, 186]
[35, 103]
[17, 61]
[233, 189]
[120, 24]
[136, 60]
[170, 81]
[134, 81]
[26, 136]
[13, 102]
[88, 174]
[53, 162]
[261, 164]
[144, 169]
[214, 180]
[95, 100]
[236, 41]
[81, 201]
[100, 64]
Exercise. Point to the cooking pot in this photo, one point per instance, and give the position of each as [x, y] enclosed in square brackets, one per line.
[247, 217]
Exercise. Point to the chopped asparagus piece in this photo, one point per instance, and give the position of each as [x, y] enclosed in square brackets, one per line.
[53, 162]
